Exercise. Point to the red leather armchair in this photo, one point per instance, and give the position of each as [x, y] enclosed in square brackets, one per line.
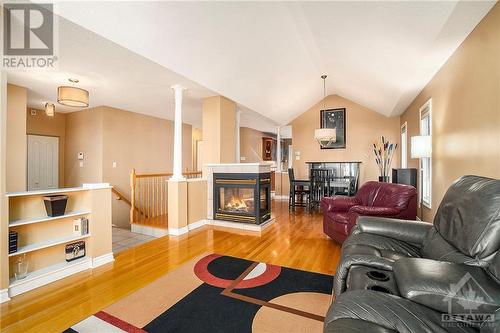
[373, 199]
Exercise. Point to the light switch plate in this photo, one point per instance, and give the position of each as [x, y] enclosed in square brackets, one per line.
[114, 164]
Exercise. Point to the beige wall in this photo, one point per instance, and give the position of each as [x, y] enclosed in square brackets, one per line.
[282, 184]
[137, 141]
[106, 135]
[196, 200]
[4, 207]
[16, 138]
[465, 111]
[228, 131]
[196, 136]
[251, 145]
[219, 130]
[364, 126]
[41, 124]
[84, 134]
[100, 223]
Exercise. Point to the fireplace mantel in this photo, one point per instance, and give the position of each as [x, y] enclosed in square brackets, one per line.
[210, 169]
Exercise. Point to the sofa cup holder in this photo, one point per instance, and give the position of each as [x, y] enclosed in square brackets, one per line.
[380, 289]
[378, 276]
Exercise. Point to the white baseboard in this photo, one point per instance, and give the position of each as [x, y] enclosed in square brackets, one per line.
[147, 230]
[102, 260]
[196, 224]
[4, 295]
[178, 231]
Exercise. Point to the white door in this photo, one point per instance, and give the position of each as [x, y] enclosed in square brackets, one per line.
[43, 162]
[199, 155]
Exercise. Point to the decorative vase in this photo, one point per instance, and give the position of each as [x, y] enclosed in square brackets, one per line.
[21, 268]
[383, 179]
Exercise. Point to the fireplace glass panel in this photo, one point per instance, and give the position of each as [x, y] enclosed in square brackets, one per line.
[263, 199]
[236, 200]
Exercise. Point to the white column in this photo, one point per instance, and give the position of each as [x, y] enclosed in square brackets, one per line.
[177, 172]
[237, 129]
[278, 150]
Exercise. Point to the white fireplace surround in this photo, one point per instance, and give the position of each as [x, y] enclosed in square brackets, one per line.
[210, 169]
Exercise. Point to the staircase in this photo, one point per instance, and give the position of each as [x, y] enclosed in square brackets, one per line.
[149, 202]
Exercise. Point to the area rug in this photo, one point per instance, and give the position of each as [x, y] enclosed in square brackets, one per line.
[217, 293]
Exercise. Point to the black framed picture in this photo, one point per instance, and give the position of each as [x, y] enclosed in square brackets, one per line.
[334, 118]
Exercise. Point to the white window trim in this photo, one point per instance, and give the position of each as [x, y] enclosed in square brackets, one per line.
[426, 109]
[404, 158]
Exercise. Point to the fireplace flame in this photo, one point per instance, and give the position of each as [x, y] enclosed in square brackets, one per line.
[237, 204]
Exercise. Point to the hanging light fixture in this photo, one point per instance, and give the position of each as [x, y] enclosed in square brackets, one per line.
[72, 96]
[50, 109]
[325, 136]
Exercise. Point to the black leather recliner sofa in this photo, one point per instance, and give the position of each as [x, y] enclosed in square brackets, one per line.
[422, 277]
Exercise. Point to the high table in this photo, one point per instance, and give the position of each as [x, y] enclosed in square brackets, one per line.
[343, 175]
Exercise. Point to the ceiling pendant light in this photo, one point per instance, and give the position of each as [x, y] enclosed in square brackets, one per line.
[72, 96]
[50, 109]
[325, 136]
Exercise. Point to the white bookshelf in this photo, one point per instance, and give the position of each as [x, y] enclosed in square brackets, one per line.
[43, 237]
[47, 218]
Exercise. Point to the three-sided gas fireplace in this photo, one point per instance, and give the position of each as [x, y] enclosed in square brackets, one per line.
[242, 197]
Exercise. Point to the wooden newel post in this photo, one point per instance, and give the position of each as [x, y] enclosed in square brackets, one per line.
[132, 195]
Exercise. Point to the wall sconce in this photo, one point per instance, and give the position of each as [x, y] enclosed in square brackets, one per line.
[50, 109]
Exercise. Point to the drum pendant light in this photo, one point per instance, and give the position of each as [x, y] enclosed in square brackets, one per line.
[72, 96]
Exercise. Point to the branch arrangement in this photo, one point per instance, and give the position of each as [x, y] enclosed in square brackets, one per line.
[384, 155]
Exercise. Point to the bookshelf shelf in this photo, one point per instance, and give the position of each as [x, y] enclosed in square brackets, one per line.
[49, 270]
[47, 218]
[47, 243]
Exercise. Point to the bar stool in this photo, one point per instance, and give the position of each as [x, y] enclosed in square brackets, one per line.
[320, 185]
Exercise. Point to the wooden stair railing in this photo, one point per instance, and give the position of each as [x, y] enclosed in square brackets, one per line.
[121, 197]
[149, 193]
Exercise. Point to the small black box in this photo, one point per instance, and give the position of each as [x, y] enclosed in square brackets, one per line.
[55, 205]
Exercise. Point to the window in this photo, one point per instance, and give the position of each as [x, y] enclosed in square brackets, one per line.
[426, 162]
[404, 146]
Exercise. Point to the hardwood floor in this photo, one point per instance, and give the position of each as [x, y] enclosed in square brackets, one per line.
[295, 240]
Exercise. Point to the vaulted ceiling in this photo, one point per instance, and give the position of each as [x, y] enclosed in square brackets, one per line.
[268, 56]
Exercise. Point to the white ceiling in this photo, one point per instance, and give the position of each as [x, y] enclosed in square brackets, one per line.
[268, 56]
[117, 77]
